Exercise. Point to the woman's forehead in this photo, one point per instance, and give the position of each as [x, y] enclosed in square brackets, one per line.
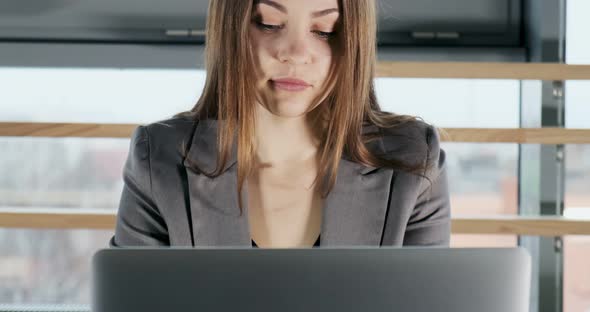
[312, 5]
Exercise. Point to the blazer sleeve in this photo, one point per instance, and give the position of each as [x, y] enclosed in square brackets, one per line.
[430, 220]
[139, 222]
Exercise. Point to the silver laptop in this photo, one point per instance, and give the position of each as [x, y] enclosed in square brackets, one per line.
[359, 279]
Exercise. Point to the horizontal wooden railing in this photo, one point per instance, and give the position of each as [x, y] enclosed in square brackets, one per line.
[483, 70]
[57, 218]
[105, 220]
[519, 135]
[49, 129]
[476, 135]
[520, 225]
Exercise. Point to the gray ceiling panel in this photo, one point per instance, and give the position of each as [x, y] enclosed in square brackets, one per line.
[401, 22]
[471, 16]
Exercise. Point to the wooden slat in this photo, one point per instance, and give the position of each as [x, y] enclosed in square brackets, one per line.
[481, 135]
[536, 226]
[105, 219]
[521, 135]
[46, 129]
[54, 218]
[483, 70]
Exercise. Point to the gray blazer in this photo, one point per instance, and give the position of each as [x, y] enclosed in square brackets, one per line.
[165, 203]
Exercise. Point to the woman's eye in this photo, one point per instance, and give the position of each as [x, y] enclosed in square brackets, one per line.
[272, 28]
[268, 27]
[325, 35]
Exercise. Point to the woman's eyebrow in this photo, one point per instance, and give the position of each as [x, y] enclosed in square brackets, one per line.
[273, 4]
[281, 8]
[324, 12]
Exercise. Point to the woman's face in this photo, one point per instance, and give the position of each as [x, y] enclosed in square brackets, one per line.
[292, 40]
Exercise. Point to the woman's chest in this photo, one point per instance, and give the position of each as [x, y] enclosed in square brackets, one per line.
[283, 216]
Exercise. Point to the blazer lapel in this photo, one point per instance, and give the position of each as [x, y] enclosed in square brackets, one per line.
[214, 201]
[353, 214]
[354, 211]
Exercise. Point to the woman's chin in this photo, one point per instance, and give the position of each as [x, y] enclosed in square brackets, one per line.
[290, 109]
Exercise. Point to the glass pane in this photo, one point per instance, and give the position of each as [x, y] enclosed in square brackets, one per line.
[577, 104]
[577, 43]
[477, 240]
[577, 197]
[482, 178]
[576, 273]
[92, 95]
[61, 172]
[576, 270]
[459, 103]
[47, 266]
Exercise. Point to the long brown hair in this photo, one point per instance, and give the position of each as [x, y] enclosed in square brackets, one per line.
[349, 100]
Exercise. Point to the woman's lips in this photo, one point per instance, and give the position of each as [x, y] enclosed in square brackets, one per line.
[290, 84]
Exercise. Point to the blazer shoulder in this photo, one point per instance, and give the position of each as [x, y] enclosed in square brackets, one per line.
[171, 126]
[170, 137]
[411, 141]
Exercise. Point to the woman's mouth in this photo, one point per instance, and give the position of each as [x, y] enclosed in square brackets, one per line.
[290, 84]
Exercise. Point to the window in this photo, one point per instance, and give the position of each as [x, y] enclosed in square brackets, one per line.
[86, 173]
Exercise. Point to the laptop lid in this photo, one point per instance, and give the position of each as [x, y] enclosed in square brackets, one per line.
[318, 279]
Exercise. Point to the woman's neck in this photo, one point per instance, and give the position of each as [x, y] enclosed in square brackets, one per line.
[283, 140]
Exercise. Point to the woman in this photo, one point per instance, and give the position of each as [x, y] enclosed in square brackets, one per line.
[289, 120]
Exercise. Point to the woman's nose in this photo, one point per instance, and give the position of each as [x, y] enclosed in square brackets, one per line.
[295, 48]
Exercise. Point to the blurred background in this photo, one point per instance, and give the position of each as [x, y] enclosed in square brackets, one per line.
[138, 62]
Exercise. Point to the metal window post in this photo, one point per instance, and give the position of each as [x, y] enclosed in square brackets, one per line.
[541, 167]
